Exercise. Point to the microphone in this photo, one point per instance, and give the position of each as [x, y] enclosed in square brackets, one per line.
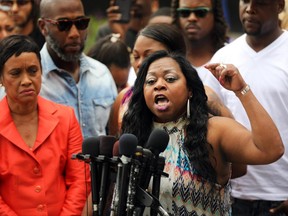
[127, 147]
[151, 164]
[90, 147]
[157, 176]
[115, 197]
[81, 156]
[105, 154]
[157, 143]
[133, 179]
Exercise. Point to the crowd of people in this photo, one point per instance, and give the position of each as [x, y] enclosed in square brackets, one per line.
[222, 100]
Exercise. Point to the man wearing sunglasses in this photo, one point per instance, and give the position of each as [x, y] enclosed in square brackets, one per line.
[204, 27]
[69, 76]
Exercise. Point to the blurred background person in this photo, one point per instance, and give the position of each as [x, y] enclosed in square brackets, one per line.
[25, 14]
[162, 15]
[141, 11]
[205, 29]
[38, 138]
[283, 16]
[203, 25]
[7, 25]
[115, 54]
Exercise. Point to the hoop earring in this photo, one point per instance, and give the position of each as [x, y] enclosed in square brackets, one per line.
[188, 108]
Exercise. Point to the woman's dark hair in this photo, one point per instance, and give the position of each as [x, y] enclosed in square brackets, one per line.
[111, 50]
[34, 13]
[167, 34]
[16, 45]
[138, 119]
[219, 32]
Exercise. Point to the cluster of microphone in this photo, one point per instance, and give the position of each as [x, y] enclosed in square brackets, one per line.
[121, 172]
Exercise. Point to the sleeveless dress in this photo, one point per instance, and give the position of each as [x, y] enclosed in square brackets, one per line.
[184, 192]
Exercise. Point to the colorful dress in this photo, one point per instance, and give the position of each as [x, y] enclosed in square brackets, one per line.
[184, 192]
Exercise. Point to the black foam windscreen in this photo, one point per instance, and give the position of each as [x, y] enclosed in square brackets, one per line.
[106, 145]
[91, 146]
[127, 144]
[157, 141]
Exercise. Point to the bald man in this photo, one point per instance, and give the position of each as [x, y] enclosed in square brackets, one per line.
[69, 76]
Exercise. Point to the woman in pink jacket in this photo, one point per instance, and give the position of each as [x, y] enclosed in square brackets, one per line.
[37, 139]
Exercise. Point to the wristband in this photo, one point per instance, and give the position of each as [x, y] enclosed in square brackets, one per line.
[245, 90]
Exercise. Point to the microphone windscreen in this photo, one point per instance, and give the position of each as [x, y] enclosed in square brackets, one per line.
[91, 146]
[116, 148]
[127, 144]
[157, 141]
[106, 145]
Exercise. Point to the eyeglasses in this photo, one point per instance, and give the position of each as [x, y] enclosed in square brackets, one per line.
[200, 12]
[10, 3]
[66, 24]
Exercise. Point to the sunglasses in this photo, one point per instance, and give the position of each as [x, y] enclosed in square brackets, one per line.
[10, 3]
[200, 12]
[66, 24]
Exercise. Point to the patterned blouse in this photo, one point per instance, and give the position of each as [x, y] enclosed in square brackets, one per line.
[184, 192]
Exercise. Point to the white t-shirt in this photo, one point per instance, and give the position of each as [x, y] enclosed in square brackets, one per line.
[266, 72]
[132, 76]
[209, 80]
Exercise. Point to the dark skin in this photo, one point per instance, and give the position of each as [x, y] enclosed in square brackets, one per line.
[201, 47]
[267, 28]
[260, 33]
[200, 52]
[219, 109]
[71, 42]
[136, 23]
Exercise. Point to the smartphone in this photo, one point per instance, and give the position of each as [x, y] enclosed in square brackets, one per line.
[124, 9]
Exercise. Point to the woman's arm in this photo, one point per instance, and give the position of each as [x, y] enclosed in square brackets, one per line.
[218, 108]
[263, 144]
[76, 174]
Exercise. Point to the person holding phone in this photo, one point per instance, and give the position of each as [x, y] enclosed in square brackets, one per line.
[140, 12]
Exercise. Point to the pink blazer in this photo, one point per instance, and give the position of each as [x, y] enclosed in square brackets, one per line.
[43, 180]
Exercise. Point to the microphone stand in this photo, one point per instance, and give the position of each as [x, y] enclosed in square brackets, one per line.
[94, 186]
[115, 196]
[133, 177]
[156, 181]
[105, 161]
[148, 200]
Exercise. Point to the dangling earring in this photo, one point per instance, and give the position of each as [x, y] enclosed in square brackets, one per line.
[188, 108]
